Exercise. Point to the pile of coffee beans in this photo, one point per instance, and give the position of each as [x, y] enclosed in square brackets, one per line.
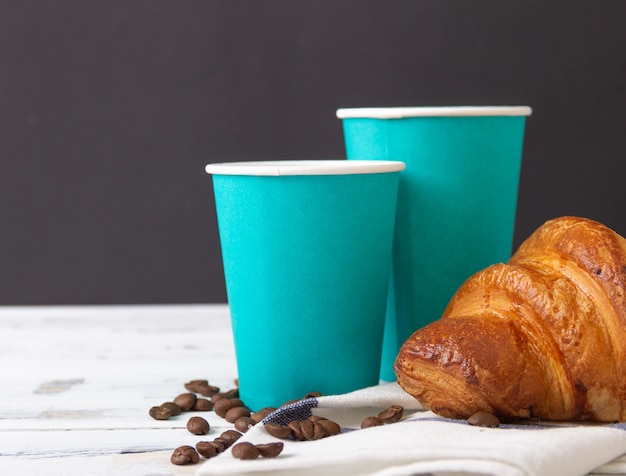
[201, 396]
[313, 428]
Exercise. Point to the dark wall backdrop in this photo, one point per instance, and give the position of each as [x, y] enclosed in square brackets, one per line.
[109, 111]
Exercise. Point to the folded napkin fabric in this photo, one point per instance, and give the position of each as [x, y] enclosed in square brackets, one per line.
[422, 443]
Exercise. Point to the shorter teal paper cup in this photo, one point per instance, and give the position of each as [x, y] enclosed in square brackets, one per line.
[456, 202]
[307, 251]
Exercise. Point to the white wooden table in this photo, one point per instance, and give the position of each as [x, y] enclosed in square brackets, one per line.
[77, 383]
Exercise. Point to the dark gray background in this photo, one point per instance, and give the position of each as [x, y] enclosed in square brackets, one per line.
[109, 111]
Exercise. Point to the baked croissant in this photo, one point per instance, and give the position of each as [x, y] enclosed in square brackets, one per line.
[543, 336]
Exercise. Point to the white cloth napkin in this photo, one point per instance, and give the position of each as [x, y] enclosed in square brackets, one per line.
[423, 443]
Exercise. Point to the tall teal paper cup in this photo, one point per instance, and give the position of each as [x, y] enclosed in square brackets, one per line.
[307, 251]
[456, 202]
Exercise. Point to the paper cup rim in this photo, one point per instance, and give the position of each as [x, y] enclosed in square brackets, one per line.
[443, 111]
[276, 168]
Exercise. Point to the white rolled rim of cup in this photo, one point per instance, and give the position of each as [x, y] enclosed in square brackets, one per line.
[443, 111]
[305, 167]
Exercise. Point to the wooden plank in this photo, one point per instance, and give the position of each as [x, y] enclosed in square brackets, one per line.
[78, 383]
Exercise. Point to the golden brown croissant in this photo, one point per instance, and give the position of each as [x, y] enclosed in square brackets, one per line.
[542, 336]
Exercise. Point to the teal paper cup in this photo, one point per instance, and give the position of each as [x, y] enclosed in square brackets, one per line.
[307, 252]
[456, 202]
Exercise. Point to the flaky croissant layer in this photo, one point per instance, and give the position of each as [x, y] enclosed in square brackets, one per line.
[543, 336]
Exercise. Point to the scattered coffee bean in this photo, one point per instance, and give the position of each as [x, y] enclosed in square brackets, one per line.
[331, 427]
[185, 401]
[236, 412]
[220, 446]
[392, 414]
[232, 393]
[206, 449]
[371, 421]
[307, 429]
[193, 384]
[312, 395]
[278, 431]
[174, 409]
[160, 413]
[243, 424]
[245, 450]
[230, 436]
[270, 450]
[207, 390]
[198, 426]
[224, 444]
[224, 404]
[185, 455]
[296, 430]
[202, 387]
[485, 419]
[202, 405]
[262, 413]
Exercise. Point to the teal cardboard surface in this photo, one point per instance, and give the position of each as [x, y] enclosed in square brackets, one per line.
[307, 261]
[456, 206]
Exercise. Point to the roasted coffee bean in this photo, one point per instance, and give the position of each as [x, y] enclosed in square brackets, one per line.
[206, 449]
[392, 414]
[319, 431]
[198, 426]
[307, 429]
[223, 405]
[262, 413]
[278, 431]
[202, 405]
[224, 442]
[245, 450]
[270, 450]
[233, 393]
[371, 421]
[185, 401]
[243, 424]
[331, 427]
[160, 413]
[236, 412]
[296, 430]
[219, 445]
[175, 409]
[485, 419]
[193, 384]
[312, 395]
[185, 455]
[206, 390]
[230, 436]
